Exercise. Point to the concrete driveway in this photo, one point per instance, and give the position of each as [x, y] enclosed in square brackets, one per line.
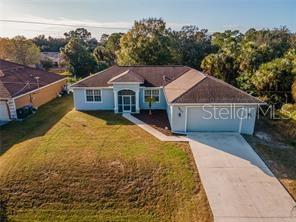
[238, 184]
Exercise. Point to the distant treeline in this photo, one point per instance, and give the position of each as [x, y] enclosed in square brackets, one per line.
[262, 62]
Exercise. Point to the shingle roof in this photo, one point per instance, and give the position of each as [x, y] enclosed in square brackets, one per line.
[127, 76]
[17, 79]
[212, 90]
[153, 76]
[182, 84]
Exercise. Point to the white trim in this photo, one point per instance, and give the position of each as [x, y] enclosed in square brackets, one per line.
[94, 87]
[124, 83]
[39, 88]
[150, 88]
[85, 100]
[219, 104]
[240, 125]
[186, 120]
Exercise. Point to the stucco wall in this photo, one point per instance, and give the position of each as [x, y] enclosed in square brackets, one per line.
[41, 96]
[106, 104]
[160, 105]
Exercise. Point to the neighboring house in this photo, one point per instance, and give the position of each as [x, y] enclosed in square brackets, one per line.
[193, 100]
[55, 57]
[21, 86]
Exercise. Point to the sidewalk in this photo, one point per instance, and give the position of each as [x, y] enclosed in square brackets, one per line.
[153, 131]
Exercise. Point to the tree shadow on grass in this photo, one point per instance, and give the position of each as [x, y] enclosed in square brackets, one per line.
[36, 125]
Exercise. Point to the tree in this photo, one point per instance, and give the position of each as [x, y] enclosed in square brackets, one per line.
[49, 44]
[46, 64]
[147, 43]
[79, 57]
[19, 50]
[150, 100]
[190, 45]
[105, 52]
[222, 66]
[79, 33]
[275, 79]
[7, 49]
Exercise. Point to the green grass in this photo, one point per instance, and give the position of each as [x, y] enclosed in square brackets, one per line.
[62, 165]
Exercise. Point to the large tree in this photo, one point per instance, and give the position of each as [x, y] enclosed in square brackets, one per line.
[19, 50]
[49, 44]
[105, 52]
[190, 45]
[147, 43]
[274, 79]
[79, 57]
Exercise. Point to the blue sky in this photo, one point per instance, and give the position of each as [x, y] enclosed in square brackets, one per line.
[215, 15]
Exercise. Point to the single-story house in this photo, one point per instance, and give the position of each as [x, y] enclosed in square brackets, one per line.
[22, 86]
[193, 100]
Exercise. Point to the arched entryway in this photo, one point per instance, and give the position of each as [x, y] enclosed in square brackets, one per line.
[126, 101]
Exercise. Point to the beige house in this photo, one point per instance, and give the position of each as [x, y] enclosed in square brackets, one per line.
[21, 86]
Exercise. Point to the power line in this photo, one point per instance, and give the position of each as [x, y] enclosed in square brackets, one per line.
[64, 25]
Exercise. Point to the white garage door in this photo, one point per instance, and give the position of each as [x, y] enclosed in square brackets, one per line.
[213, 119]
[4, 116]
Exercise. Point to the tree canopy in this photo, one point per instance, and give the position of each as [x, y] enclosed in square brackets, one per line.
[19, 50]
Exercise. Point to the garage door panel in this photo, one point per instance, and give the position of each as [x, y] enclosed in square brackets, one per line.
[212, 119]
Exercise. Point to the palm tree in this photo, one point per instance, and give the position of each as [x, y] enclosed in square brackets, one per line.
[150, 100]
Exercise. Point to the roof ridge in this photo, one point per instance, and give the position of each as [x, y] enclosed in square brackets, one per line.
[151, 66]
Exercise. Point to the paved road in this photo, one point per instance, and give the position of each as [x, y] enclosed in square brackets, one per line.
[239, 186]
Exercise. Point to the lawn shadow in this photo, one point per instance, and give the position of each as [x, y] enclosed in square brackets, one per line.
[36, 125]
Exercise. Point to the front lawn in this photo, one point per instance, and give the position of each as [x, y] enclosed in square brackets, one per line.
[63, 165]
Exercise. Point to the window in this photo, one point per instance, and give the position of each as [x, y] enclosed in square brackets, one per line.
[151, 93]
[93, 95]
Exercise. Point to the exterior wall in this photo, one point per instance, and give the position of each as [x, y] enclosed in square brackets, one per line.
[4, 112]
[178, 118]
[40, 97]
[162, 104]
[80, 103]
[248, 124]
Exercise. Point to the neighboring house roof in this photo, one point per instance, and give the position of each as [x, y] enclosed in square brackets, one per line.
[17, 79]
[53, 56]
[128, 76]
[182, 84]
[154, 76]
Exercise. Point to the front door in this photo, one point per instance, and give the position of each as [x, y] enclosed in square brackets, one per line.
[127, 103]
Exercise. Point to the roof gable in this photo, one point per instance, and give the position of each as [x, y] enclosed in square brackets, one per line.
[128, 76]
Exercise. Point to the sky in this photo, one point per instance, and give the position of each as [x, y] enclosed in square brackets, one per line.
[55, 17]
